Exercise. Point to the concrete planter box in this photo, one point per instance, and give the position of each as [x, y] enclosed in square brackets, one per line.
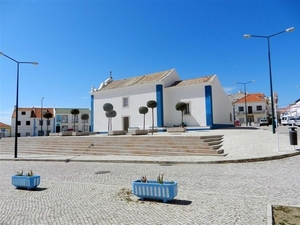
[139, 132]
[176, 129]
[154, 190]
[28, 182]
[117, 132]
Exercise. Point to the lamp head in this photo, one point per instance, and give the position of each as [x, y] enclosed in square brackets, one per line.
[247, 36]
[1, 53]
[290, 29]
[35, 63]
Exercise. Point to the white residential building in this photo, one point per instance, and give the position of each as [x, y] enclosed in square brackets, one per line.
[256, 106]
[64, 120]
[208, 105]
[31, 122]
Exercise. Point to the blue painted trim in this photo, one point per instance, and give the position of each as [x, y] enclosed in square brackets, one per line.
[92, 113]
[160, 105]
[208, 105]
[34, 127]
[53, 129]
[220, 126]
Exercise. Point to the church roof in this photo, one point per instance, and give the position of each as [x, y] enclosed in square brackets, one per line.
[198, 80]
[144, 79]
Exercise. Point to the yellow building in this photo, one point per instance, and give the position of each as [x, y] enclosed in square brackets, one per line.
[5, 130]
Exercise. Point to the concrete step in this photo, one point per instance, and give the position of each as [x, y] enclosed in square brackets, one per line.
[123, 145]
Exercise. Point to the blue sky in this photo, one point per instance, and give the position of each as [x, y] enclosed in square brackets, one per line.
[78, 42]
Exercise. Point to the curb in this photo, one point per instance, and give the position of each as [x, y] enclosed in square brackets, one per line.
[260, 159]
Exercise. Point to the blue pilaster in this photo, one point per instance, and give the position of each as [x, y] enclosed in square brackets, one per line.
[208, 106]
[160, 105]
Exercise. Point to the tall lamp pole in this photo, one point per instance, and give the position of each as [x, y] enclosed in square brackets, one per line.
[252, 81]
[17, 99]
[42, 116]
[270, 70]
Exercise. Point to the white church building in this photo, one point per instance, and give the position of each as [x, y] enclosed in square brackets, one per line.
[208, 104]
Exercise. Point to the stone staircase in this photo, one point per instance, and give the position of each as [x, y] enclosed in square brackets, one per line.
[147, 145]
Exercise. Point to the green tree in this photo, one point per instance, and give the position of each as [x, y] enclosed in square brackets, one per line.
[74, 112]
[152, 104]
[84, 117]
[181, 106]
[109, 113]
[143, 110]
[47, 115]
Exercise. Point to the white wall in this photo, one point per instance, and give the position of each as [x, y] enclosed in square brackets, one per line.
[194, 95]
[137, 96]
[222, 107]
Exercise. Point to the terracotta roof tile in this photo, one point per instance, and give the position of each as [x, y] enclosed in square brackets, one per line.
[192, 81]
[35, 112]
[256, 97]
[148, 78]
[3, 125]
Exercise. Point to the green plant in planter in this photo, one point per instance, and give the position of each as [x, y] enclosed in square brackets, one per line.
[144, 179]
[30, 173]
[19, 173]
[160, 178]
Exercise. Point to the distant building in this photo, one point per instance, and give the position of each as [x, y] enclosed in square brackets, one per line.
[208, 105]
[32, 123]
[64, 120]
[5, 130]
[256, 105]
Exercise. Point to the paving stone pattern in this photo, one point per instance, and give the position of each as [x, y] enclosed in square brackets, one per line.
[91, 193]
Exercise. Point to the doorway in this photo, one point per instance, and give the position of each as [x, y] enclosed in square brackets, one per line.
[125, 123]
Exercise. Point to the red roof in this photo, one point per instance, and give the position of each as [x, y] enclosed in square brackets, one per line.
[3, 125]
[35, 112]
[256, 97]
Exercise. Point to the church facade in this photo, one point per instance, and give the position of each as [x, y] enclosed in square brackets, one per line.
[208, 104]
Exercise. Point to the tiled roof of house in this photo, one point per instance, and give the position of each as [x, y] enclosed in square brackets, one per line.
[193, 81]
[3, 125]
[256, 97]
[144, 79]
[35, 112]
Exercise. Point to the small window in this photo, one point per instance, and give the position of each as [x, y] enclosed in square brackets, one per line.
[258, 108]
[125, 102]
[76, 118]
[187, 111]
[28, 123]
[241, 108]
[19, 123]
[27, 134]
[48, 122]
[64, 128]
[41, 122]
[64, 119]
[23, 113]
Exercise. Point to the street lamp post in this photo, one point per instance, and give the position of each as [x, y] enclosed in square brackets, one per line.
[270, 70]
[42, 116]
[245, 96]
[17, 99]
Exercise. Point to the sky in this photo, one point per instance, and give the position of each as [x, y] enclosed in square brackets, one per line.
[78, 42]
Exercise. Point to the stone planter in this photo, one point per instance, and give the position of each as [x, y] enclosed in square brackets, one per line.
[27, 182]
[139, 132]
[154, 190]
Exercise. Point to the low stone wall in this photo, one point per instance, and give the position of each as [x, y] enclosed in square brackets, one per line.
[117, 132]
[176, 129]
[139, 132]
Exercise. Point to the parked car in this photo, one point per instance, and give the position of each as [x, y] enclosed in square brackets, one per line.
[237, 123]
[297, 122]
[285, 120]
[263, 122]
[292, 121]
